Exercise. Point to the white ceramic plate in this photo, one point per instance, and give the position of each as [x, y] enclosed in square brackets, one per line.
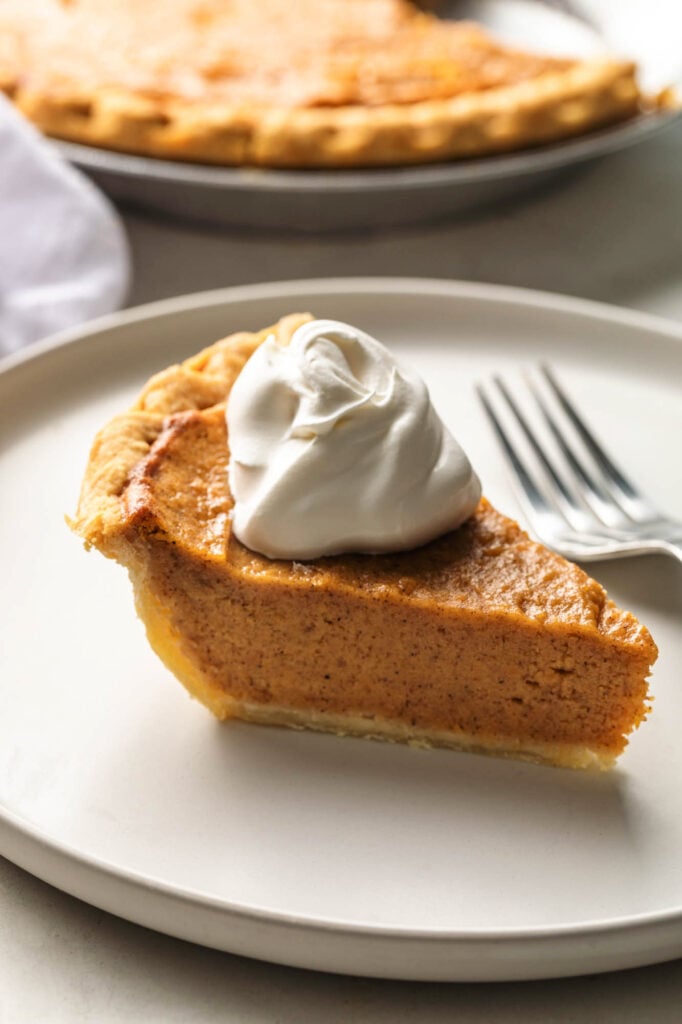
[310, 850]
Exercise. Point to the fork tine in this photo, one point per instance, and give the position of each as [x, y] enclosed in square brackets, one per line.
[555, 510]
[630, 498]
[572, 509]
[602, 502]
[539, 504]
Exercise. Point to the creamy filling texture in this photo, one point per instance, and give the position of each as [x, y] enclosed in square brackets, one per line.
[335, 447]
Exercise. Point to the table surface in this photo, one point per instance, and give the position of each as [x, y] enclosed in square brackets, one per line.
[610, 232]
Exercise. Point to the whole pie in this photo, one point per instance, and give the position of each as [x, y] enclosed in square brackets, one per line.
[310, 83]
[479, 640]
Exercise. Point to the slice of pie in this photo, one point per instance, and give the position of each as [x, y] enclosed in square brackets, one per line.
[480, 640]
[310, 83]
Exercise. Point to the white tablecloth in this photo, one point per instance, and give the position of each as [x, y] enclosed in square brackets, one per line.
[63, 252]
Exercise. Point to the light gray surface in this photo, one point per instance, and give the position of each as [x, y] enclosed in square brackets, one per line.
[612, 232]
[615, 234]
[64, 962]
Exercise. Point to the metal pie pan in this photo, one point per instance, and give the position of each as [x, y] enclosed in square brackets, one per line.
[317, 201]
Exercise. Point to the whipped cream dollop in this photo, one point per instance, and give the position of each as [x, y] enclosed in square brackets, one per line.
[335, 447]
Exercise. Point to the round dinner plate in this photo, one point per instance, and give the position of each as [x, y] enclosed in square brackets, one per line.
[312, 850]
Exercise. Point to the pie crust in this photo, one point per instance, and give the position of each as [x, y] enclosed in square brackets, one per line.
[480, 640]
[315, 83]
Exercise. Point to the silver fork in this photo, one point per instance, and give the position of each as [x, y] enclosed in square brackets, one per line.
[578, 502]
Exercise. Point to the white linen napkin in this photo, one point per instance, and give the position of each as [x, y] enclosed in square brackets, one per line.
[63, 252]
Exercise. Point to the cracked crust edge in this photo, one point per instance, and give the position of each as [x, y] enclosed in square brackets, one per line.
[200, 382]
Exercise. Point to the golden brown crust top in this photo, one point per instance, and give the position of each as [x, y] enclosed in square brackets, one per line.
[320, 53]
[339, 83]
[161, 470]
[201, 382]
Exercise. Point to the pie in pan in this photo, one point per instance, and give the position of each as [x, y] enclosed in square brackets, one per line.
[310, 83]
[478, 640]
